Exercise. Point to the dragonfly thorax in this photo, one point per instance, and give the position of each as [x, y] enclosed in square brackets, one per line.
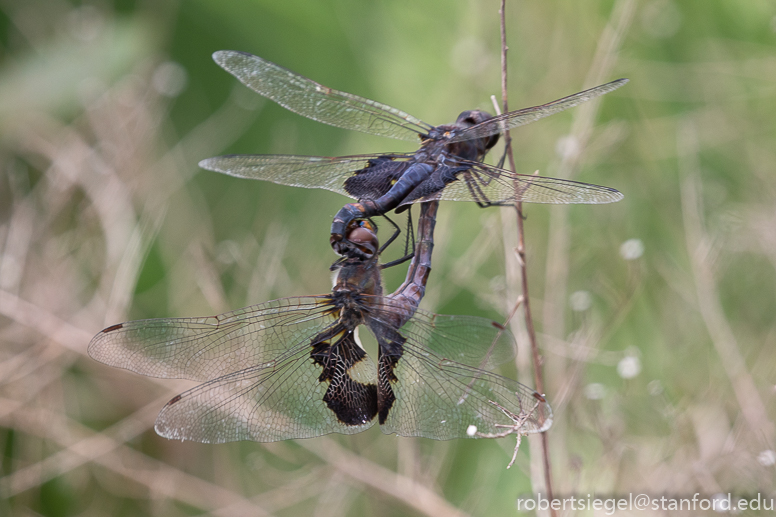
[474, 149]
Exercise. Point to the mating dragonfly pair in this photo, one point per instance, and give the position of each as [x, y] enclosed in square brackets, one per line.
[294, 367]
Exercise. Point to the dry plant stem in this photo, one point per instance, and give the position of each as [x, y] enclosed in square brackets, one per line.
[159, 478]
[699, 247]
[78, 453]
[581, 130]
[515, 428]
[182, 486]
[538, 379]
[558, 246]
[412, 493]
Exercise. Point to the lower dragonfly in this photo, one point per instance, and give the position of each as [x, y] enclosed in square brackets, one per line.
[448, 165]
[295, 367]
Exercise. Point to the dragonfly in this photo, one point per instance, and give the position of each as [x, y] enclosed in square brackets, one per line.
[296, 367]
[447, 166]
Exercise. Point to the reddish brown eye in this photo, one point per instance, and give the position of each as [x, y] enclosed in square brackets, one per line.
[365, 240]
[360, 236]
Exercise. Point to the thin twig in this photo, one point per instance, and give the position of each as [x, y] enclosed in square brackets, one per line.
[538, 379]
[516, 428]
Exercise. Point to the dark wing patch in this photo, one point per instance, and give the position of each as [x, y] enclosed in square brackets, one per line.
[306, 171]
[438, 394]
[391, 349]
[377, 178]
[346, 368]
[284, 369]
[275, 401]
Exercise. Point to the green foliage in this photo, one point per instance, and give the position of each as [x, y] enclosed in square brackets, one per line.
[105, 216]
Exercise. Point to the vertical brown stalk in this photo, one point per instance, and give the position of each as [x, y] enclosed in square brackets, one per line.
[538, 378]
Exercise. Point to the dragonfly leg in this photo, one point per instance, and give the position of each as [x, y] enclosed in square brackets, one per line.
[409, 242]
[415, 174]
[396, 232]
[503, 158]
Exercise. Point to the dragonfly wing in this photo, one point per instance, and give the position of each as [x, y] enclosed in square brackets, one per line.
[490, 185]
[521, 117]
[310, 171]
[284, 369]
[424, 391]
[448, 400]
[295, 397]
[469, 340]
[203, 349]
[317, 102]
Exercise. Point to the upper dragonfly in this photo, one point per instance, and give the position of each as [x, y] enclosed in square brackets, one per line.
[295, 368]
[447, 166]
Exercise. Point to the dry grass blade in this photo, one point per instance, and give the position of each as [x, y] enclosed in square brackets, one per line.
[361, 470]
[134, 466]
[661, 380]
[699, 243]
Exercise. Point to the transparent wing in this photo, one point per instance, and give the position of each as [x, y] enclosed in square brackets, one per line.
[470, 340]
[524, 116]
[279, 370]
[317, 102]
[430, 388]
[483, 183]
[301, 171]
[490, 185]
[288, 399]
[446, 400]
[202, 349]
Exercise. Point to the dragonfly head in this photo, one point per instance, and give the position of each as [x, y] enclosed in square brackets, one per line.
[360, 241]
[471, 118]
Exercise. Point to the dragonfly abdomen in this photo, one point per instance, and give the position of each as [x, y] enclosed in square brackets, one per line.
[412, 290]
[413, 176]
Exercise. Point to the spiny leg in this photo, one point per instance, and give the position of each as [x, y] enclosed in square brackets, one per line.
[408, 243]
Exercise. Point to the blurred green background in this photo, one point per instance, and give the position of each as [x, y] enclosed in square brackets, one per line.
[655, 315]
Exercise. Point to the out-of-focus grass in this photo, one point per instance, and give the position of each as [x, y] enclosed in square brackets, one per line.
[661, 367]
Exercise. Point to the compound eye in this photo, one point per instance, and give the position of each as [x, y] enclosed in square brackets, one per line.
[363, 238]
[493, 140]
[472, 118]
[360, 236]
